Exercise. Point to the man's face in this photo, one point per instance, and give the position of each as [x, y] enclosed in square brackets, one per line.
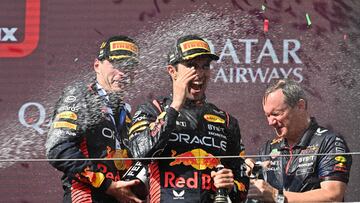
[111, 76]
[280, 115]
[197, 86]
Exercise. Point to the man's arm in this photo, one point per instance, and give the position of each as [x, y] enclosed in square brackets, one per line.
[121, 191]
[150, 130]
[65, 140]
[330, 191]
[236, 148]
[333, 171]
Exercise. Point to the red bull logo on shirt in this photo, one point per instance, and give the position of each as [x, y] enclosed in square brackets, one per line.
[190, 182]
[197, 158]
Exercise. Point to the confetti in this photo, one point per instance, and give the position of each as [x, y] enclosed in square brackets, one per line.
[266, 25]
[308, 19]
[263, 7]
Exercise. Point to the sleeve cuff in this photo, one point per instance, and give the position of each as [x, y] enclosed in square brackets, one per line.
[105, 185]
[172, 112]
[336, 178]
[172, 115]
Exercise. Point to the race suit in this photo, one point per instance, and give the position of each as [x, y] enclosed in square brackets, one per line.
[86, 125]
[306, 171]
[195, 131]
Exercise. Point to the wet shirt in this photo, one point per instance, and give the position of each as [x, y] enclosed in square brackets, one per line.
[196, 131]
[306, 171]
[86, 124]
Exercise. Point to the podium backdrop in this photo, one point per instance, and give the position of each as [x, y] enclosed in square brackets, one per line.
[45, 45]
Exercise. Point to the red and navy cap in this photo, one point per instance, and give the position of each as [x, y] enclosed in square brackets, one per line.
[119, 48]
[189, 47]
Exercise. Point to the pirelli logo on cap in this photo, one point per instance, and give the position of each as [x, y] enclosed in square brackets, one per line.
[213, 118]
[123, 45]
[63, 124]
[194, 44]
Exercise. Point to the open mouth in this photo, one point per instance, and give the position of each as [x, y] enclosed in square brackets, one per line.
[196, 85]
[279, 131]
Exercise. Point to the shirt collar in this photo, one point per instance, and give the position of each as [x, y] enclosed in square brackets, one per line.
[306, 137]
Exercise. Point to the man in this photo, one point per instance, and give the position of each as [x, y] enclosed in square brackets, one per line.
[185, 126]
[91, 121]
[300, 175]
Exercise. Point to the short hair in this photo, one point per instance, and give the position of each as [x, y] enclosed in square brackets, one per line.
[292, 91]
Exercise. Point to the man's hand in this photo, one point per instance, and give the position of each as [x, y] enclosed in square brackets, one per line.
[121, 191]
[223, 179]
[251, 166]
[250, 163]
[261, 190]
[180, 87]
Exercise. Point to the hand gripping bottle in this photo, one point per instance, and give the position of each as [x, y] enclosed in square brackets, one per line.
[221, 193]
[140, 172]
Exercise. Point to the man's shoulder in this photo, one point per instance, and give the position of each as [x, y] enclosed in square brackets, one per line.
[154, 105]
[75, 93]
[220, 111]
[327, 136]
[321, 132]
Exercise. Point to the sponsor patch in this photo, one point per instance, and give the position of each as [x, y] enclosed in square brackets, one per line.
[178, 195]
[94, 178]
[340, 159]
[340, 167]
[194, 44]
[123, 45]
[63, 124]
[70, 99]
[274, 153]
[137, 125]
[181, 123]
[192, 158]
[310, 149]
[319, 132]
[213, 118]
[67, 115]
[122, 164]
[240, 186]
[304, 170]
[208, 141]
[339, 150]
